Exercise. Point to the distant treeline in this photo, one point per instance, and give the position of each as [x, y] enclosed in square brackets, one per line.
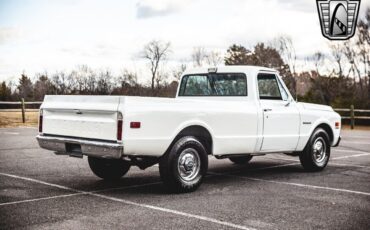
[82, 81]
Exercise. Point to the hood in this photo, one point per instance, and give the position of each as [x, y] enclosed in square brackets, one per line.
[311, 106]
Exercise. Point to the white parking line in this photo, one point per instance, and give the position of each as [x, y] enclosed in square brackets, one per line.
[27, 127]
[10, 149]
[303, 185]
[77, 194]
[356, 142]
[349, 165]
[274, 166]
[40, 182]
[42, 198]
[360, 137]
[152, 207]
[9, 133]
[171, 211]
[350, 156]
[295, 184]
[20, 127]
[349, 151]
[298, 163]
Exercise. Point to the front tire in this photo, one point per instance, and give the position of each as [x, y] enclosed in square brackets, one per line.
[240, 160]
[183, 168]
[316, 154]
[108, 169]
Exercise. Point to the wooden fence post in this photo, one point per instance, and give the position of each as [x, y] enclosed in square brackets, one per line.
[23, 111]
[352, 117]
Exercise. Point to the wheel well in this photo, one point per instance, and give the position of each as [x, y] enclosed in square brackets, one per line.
[328, 130]
[201, 133]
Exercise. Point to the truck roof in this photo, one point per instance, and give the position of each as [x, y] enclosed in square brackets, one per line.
[230, 69]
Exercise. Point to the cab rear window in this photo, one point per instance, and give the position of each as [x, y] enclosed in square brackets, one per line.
[217, 84]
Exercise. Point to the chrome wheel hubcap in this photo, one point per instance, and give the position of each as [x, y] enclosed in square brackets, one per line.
[319, 150]
[188, 164]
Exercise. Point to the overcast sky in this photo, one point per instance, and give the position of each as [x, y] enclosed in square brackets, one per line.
[47, 35]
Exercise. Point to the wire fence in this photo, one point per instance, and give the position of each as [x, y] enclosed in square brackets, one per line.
[352, 117]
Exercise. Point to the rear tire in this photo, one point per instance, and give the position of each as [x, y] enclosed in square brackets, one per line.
[240, 160]
[108, 169]
[316, 154]
[183, 168]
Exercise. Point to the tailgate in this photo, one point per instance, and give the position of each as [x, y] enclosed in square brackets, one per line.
[92, 117]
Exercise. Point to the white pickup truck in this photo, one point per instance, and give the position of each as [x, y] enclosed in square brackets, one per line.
[233, 112]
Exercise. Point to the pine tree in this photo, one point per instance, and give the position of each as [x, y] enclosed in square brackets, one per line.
[5, 92]
[25, 87]
[237, 55]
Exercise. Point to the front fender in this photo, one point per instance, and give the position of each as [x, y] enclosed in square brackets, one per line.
[305, 136]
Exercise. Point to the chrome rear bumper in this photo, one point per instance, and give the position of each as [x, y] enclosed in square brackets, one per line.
[94, 148]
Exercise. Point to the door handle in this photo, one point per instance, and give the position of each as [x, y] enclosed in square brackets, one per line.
[267, 110]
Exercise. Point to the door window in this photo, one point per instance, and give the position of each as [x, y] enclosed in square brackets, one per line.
[268, 87]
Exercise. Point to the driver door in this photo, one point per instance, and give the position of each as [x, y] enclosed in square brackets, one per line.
[281, 117]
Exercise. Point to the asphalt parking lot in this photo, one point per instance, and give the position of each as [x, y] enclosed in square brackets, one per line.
[39, 190]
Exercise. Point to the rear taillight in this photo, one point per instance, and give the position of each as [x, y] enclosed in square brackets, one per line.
[337, 125]
[119, 126]
[40, 121]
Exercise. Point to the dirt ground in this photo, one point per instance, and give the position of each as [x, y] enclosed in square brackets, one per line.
[13, 118]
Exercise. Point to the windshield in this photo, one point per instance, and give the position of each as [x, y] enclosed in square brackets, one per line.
[217, 84]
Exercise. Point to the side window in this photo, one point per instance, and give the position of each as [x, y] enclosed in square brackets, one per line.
[284, 94]
[196, 85]
[268, 87]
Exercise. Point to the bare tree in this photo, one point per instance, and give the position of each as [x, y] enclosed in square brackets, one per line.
[82, 74]
[318, 60]
[161, 77]
[128, 77]
[214, 58]
[337, 53]
[199, 56]
[284, 44]
[72, 83]
[104, 83]
[363, 43]
[155, 52]
[351, 55]
[59, 79]
[177, 72]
